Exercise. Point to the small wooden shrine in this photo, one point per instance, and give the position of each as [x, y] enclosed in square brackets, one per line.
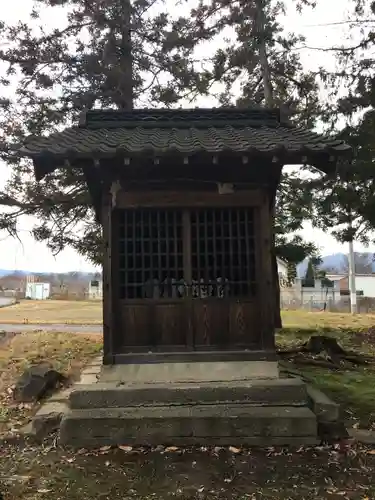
[185, 198]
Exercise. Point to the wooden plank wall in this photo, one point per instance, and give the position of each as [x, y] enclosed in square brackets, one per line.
[195, 323]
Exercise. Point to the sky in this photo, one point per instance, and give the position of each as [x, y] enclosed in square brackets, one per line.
[321, 29]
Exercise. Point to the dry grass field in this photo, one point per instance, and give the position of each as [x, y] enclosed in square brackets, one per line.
[90, 313]
[65, 352]
[322, 320]
[37, 471]
[53, 312]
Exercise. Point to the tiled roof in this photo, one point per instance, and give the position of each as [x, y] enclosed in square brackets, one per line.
[159, 132]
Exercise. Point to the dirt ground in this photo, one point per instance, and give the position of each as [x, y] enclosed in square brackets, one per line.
[48, 472]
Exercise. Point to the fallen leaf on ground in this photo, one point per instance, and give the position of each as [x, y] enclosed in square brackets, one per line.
[126, 448]
[171, 448]
[43, 490]
[233, 449]
[159, 448]
[105, 448]
[17, 478]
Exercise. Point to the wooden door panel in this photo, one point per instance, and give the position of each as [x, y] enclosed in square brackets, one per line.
[210, 322]
[136, 322]
[193, 323]
[170, 322]
[155, 324]
[244, 323]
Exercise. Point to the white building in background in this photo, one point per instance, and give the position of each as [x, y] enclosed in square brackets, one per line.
[37, 291]
[95, 289]
[319, 293]
[282, 268]
[315, 296]
[364, 283]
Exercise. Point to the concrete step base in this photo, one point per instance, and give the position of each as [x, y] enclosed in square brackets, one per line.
[220, 424]
[193, 371]
[276, 392]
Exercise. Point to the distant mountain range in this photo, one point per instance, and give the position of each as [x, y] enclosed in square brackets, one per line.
[7, 272]
[338, 262]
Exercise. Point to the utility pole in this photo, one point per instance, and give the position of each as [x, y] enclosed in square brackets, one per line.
[352, 286]
[351, 261]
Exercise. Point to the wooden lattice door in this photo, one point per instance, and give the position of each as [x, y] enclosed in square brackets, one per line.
[187, 277]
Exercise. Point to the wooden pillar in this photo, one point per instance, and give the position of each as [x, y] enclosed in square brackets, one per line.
[111, 331]
[265, 276]
[188, 303]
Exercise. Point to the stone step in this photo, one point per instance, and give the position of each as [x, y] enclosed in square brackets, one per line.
[185, 372]
[189, 425]
[277, 392]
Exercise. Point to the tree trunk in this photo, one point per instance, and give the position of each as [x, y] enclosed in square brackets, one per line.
[121, 78]
[126, 57]
[263, 60]
[277, 310]
[268, 98]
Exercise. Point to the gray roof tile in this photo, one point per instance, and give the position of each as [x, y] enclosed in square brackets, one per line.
[159, 132]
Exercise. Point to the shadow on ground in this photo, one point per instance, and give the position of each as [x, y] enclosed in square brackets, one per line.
[322, 472]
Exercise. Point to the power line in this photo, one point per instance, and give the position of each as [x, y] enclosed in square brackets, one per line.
[338, 23]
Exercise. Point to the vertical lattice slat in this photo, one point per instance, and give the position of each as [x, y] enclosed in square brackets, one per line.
[231, 233]
[150, 253]
[142, 244]
[214, 246]
[223, 254]
[224, 271]
[175, 247]
[158, 232]
[153, 259]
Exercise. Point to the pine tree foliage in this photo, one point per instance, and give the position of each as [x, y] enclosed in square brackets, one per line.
[310, 272]
[236, 65]
[345, 202]
[110, 53]
[113, 53]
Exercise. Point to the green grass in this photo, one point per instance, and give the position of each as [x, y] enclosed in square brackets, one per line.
[353, 389]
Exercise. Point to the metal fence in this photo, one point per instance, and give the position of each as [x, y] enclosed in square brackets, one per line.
[333, 301]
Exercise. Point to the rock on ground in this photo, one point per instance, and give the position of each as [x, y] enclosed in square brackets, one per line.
[35, 382]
